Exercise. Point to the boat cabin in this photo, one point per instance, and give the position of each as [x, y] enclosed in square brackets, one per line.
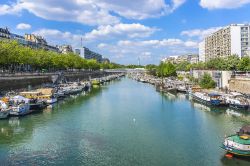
[31, 95]
[244, 132]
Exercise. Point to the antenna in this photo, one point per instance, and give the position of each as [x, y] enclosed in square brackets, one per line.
[81, 42]
[139, 62]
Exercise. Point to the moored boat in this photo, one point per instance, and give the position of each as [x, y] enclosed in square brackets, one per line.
[182, 89]
[4, 110]
[237, 101]
[20, 106]
[238, 144]
[36, 104]
[211, 99]
[95, 83]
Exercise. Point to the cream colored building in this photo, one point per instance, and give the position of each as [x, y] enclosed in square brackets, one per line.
[221, 78]
[230, 40]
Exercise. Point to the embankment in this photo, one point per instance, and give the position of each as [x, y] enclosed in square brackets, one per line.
[25, 80]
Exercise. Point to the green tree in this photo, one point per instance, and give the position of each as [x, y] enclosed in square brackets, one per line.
[183, 66]
[166, 70]
[152, 69]
[207, 81]
[244, 64]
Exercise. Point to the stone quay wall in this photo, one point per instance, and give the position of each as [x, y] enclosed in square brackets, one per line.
[24, 80]
[241, 85]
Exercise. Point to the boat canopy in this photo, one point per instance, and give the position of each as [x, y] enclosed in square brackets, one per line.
[214, 94]
[236, 94]
[245, 130]
[20, 99]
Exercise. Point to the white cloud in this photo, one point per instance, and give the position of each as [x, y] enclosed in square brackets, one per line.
[200, 33]
[226, 4]
[158, 43]
[23, 26]
[55, 36]
[92, 12]
[120, 30]
[10, 9]
[140, 9]
[150, 51]
[177, 3]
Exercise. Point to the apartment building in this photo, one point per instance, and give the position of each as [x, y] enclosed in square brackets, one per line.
[191, 58]
[230, 40]
[38, 42]
[65, 49]
[86, 53]
[4, 33]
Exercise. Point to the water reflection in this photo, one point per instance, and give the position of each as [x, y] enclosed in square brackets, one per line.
[243, 115]
[16, 129]
[243, 161]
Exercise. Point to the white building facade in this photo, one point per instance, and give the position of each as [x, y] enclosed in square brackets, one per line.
[230, 40]
[202, 51]
[88, 54]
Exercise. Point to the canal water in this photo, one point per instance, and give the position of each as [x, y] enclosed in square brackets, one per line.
[122, 123]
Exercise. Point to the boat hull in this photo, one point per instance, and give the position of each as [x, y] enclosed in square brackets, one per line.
[51, 101]
[4, 114]
[236, 151]
[20, 110]
[216, 103]
[38, 106]
[238, 106]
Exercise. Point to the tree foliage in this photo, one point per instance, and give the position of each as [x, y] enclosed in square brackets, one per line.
[207, 81]
[244, 64]
[14, 57]
[166, 69]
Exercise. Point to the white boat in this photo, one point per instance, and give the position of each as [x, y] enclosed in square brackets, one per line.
[20, 106]
[237, 100]
[4, 110]
[238, 144]
[182, 89]
[212, 99]
[52, 100]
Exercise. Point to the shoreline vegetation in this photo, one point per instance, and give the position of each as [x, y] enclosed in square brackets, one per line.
[232, 63]
[169, 69]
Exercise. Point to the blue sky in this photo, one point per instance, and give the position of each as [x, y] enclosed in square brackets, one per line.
[124, 30]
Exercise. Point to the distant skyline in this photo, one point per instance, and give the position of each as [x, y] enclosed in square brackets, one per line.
[124, 30]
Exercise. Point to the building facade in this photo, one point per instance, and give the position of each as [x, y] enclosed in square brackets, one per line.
[38, 42]
[230, 40]
[221, 78]
[65, 49]
[202, 51]
[191, 58]
[105, 60]
[20, 39]
[86, 53]
[4, 33]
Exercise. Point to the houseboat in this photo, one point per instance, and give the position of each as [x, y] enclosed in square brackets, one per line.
[35, 102]
[211, 99]
[237, 101]
[238, 144]
[4, 110]
[45, 95]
